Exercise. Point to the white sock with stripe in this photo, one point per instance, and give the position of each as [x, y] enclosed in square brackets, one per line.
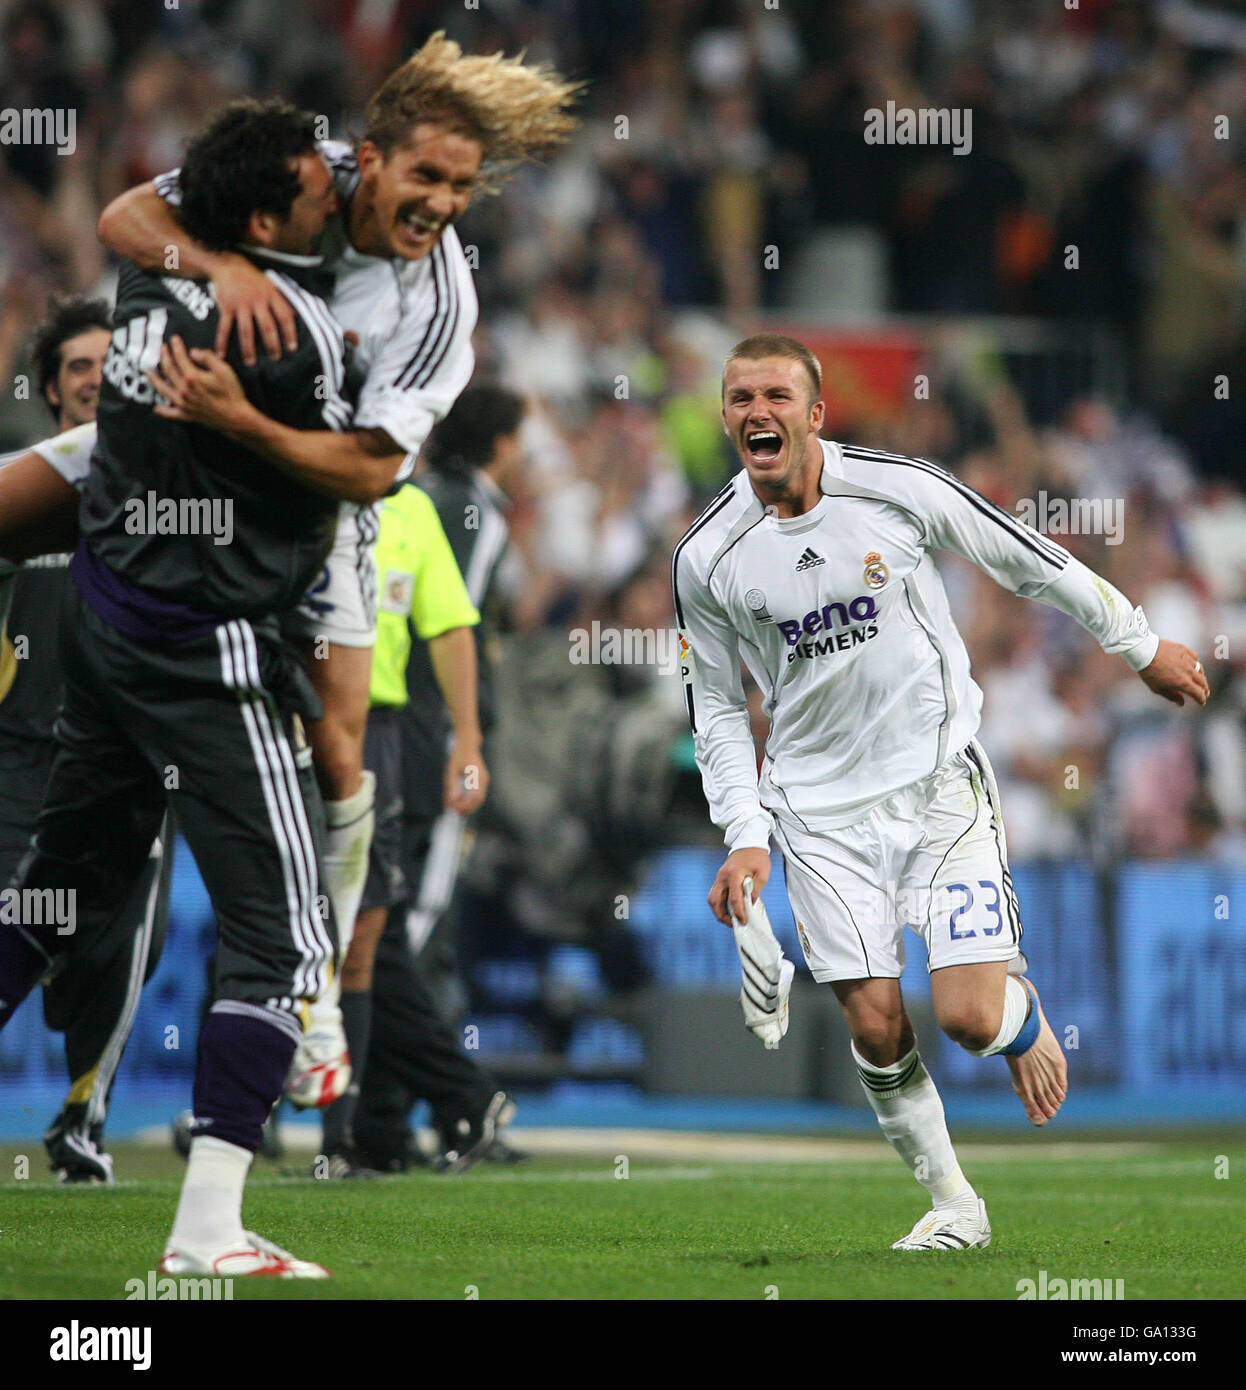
[910, 1114]
[209, 1211]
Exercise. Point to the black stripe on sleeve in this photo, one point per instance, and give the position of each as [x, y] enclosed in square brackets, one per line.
[440, 308]
[1042, 547]
[715, 506]
[711, 511]
[440, 352]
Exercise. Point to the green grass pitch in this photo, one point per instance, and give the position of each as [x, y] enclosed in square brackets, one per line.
[1167, 1216]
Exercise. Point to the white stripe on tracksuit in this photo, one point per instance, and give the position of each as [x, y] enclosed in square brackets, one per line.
[284, 799]
[97, 1103]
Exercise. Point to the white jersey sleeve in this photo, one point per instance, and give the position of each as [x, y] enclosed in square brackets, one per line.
[69, 453]
[419, 372]
[958, 518]
[711, 670]
[338, 155]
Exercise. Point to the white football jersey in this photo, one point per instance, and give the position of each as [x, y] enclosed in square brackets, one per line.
[841, 617]
[68, 453]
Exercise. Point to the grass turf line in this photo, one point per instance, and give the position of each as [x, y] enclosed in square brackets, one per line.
[561, 1228]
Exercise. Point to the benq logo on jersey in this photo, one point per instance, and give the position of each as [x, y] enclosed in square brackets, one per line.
[836, 622]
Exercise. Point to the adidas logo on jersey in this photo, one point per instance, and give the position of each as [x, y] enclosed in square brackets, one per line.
[809, 560]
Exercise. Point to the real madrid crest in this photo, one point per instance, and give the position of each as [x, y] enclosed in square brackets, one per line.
[876, 573]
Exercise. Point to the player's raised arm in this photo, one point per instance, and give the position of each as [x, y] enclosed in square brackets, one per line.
[960, 519]
[718, 712]
[199, 387]
[141, 224]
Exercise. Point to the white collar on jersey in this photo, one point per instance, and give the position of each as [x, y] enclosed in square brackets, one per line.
[283, 257]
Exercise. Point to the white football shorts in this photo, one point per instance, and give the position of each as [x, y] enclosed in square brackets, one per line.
[341, 604]
[932, 857]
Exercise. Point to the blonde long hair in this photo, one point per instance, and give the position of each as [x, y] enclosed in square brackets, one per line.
[515, 110]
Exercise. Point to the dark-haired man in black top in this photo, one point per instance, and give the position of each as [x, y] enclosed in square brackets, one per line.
[179, 685]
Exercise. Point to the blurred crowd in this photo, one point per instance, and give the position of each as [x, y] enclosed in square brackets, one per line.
[721, 180]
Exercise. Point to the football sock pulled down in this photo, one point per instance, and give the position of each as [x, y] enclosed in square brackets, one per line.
[910, 1114]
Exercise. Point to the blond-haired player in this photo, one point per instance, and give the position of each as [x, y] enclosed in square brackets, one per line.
[443, 128]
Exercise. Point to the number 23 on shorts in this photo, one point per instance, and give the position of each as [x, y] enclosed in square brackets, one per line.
[989, 899]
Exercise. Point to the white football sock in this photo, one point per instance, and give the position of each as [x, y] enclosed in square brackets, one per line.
[325, 1012]
[910, 1114]
[347, 842]
[1016, 1011]
[209, 1211]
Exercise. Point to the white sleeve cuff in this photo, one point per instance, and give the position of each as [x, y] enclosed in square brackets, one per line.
[1141, 656]
[752, 833]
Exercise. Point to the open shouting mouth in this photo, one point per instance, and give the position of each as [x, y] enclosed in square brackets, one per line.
[763, 446]
[418, 229]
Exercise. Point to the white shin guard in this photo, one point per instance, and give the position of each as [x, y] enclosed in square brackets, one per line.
[347, 842]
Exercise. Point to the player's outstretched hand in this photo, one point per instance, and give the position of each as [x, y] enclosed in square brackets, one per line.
[198, 387]
[729, 885]
[1175, 673]
[249, 302]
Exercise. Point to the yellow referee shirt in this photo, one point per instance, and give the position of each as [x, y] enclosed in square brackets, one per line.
[420, 586]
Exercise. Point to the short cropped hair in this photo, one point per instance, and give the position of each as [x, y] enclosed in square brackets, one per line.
[242, 162]
[762, 345]
[465, 439]
[66, 318]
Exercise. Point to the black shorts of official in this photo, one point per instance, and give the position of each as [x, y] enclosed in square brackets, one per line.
[386, 884]
[208, 726]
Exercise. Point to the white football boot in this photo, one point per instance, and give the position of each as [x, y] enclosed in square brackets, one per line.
[949, 1230]
[251, 1255]
[765, 973]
